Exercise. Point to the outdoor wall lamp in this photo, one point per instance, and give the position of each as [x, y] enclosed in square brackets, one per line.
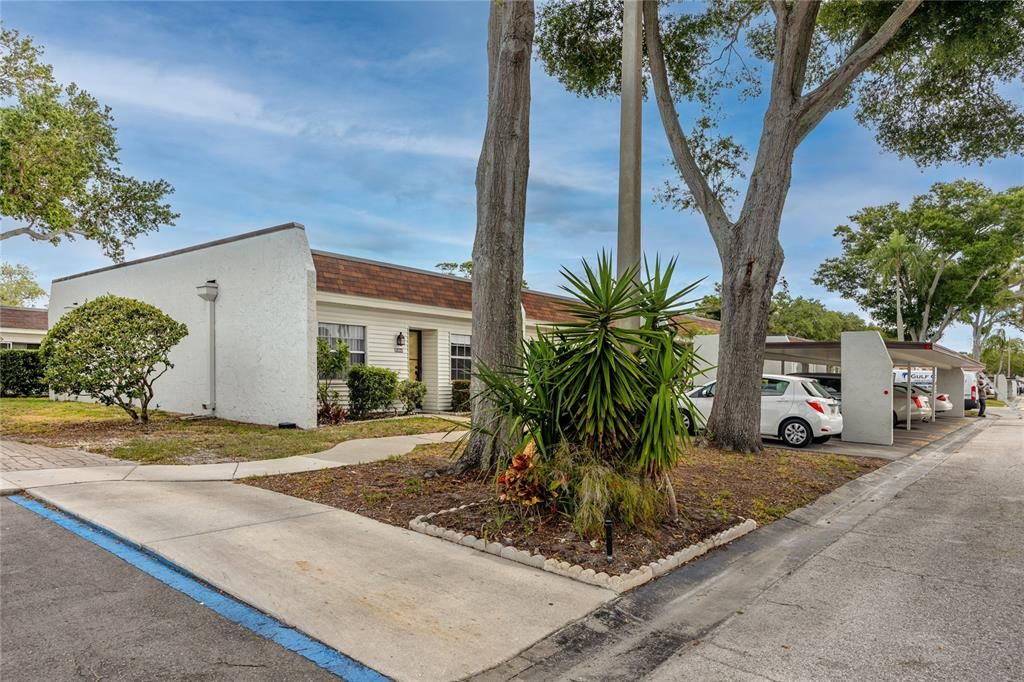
[400, 340]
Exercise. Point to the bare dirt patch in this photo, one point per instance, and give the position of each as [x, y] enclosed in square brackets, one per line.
[715, 490]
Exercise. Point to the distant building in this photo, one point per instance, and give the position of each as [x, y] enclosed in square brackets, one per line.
[22, 327]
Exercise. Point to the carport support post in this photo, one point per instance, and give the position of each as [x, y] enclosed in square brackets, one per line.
[909, 402]
[951, 382]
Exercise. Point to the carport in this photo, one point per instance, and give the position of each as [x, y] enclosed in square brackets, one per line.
[866, 363]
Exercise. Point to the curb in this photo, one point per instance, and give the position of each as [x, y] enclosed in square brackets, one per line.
[617, 583]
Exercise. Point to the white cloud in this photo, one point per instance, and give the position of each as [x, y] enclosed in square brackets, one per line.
[169, 91]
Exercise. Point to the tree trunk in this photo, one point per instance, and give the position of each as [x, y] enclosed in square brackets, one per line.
[899, 312]
[501, 179]
[751, 257]
[749, 274]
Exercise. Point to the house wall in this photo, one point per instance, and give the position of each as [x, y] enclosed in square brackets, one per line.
[384, 320]
[265, 327]
[20, 337]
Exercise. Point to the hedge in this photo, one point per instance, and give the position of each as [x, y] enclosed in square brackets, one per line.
[21, 373]
[412, 393]
[370, 389]
[460, 395]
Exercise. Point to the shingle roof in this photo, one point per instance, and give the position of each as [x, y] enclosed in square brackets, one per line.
[338, 274]
[691, 324]
[23, 318]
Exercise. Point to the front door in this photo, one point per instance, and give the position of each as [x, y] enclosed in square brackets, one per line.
[415, 350]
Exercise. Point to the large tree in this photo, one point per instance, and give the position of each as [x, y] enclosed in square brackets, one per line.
[501, 176]
[1004, 309]
[928, 77]
[60, 177]
[18, 285]
[967, 239]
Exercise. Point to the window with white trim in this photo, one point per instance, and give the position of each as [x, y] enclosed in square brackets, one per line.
[352, 335]
[461, 356]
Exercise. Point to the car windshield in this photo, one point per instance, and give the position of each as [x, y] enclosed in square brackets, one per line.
[815, 389]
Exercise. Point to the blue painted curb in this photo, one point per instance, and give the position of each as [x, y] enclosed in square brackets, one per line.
[179, 579]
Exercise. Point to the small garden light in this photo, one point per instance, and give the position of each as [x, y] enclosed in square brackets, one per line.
[608, 539]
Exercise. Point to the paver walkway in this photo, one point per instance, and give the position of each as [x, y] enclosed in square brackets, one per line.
[16, 456]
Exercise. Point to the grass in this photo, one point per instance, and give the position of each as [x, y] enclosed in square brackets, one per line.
[169, 439]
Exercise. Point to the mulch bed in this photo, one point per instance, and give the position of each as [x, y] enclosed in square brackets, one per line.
[715, 491]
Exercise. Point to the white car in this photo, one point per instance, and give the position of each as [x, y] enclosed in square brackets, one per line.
[796, 409]
[920, 406]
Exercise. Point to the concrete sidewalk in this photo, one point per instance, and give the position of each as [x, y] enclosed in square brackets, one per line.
[403, 603]
[912, 571]
[349, 452]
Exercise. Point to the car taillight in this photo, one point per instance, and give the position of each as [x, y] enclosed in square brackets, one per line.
[943, 397]
[974, 392]
[816, 406]
[917, 401]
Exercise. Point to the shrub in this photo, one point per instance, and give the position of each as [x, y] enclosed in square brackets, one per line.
[412, 393]
[330, 365]
[371, 389]
[112, 349]
[596, 404]
[21, 373]
[460, 395]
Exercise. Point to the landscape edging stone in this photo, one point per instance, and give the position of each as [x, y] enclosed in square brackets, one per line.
[618, 583]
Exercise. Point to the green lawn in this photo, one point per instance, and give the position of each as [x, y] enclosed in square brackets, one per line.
[169, 439]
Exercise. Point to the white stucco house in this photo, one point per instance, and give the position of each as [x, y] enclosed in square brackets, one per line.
[251, 351]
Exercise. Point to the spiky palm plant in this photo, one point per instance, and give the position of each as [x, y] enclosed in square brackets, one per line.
[604, 392]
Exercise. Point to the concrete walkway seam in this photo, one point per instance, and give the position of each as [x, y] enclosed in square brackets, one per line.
[227, 607]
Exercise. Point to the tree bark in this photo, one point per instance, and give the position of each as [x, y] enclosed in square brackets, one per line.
[899, 312]
[501, 178]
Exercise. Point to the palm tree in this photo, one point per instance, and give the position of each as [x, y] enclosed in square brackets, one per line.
[897, 258]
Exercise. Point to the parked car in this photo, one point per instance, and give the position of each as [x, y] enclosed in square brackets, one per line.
[920, 406]
[796, 409]
[940, 402]
[832, 382]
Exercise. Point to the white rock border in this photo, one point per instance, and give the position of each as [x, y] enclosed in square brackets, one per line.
[617, 583]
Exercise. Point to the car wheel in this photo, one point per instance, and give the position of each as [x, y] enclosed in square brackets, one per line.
[822, 439]
[688, 420]
[795, 433]
[895, 420]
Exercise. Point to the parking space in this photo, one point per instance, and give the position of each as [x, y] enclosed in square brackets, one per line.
[904, 442]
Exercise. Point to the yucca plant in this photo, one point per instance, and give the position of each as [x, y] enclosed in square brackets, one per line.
[597, 401]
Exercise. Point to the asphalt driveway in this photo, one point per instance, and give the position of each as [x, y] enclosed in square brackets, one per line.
[74, 611]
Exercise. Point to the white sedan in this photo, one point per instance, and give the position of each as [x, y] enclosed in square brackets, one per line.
[796, 409]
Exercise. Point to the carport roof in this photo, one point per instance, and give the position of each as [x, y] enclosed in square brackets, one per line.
[918, 354]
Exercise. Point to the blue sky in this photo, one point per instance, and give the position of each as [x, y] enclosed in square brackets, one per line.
[363, 121]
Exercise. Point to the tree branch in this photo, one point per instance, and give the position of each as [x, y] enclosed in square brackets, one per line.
[825, 97]
[799, 36]
[954, 311]
[28, 230]
[931, 295]
[705, 198]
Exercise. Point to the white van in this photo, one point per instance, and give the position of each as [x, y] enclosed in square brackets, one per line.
[970, 390]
